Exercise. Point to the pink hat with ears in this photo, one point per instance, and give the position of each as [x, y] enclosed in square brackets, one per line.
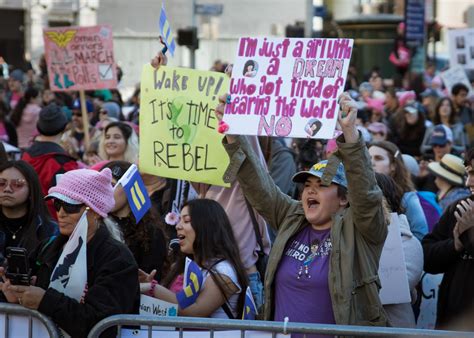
[405, 97]
[375, 104]
[89, 187]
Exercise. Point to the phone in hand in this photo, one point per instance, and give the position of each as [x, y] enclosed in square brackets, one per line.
[18, 271]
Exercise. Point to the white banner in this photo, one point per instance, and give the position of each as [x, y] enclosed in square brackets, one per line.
[453, 75]
[392, 267]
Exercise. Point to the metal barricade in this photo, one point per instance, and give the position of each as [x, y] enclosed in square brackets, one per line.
[274, 328]
[18, 310]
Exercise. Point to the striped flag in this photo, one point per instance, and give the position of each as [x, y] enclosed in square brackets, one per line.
[192, 284]
[136, 192]
[166, 33]
[70, 273]
[250, 310]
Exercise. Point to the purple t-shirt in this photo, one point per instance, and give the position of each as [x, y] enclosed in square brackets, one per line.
[301, 284]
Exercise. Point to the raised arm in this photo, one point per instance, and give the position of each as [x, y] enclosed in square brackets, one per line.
[255, 181]
[365, 197]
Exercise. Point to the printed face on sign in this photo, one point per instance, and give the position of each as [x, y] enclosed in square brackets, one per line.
[250, 68]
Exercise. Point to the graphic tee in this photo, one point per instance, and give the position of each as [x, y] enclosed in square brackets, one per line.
[301, 284]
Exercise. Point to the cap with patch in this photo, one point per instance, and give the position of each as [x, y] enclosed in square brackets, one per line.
[441, 135]
[318, 169]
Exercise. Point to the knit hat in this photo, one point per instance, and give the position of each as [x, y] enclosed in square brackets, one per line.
[112, 109]
[450, 168]
[90, 187]
[51, 121]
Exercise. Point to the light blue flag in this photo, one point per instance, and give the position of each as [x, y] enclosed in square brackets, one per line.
[166, 33]
[136, 192]
[192, 285]
[250, 310]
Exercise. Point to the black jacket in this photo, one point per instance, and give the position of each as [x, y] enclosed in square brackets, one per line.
[456, 294]
[112, 280]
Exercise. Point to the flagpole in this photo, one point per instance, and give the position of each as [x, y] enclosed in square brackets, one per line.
[85, 119]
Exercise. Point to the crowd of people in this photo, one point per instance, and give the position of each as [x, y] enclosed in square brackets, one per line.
[316, 210]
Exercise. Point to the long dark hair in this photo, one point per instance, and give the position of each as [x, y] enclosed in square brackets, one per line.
[142, 231]
[36, 205]
[17, 113]
[392, 195]
[407, 131]
[214, 242]
[437, 116]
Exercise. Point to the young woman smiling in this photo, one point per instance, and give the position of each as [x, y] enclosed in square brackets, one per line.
[205, 234]
[119, 142]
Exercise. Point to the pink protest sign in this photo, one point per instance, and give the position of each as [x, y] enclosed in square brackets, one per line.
[287, 87]
[80, 58]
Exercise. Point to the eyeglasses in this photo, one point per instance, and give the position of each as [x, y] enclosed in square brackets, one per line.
[67, 207]
[15, 184]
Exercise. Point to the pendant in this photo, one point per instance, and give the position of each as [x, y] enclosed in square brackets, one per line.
[14, 236]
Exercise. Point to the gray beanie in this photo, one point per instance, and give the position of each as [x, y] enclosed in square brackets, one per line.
[52, 120]
[112, 109]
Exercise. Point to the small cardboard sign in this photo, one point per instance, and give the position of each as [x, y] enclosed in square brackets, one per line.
[80, 58]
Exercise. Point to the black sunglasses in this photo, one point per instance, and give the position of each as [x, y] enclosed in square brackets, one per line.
[67, 207]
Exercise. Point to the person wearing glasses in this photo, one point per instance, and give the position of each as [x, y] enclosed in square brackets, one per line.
[24, 218]
[112, 273]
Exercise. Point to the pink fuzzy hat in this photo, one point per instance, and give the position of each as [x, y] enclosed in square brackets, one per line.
[406, 97]
[90, 187]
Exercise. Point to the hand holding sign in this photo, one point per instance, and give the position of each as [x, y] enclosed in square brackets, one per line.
[347, 118]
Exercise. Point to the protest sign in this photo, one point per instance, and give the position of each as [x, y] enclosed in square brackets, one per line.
[178, 128]
[392, 267]
[157, 307]
[80, 58]
[287, 87]
[461, 47]
[429, 300]
[454, 75]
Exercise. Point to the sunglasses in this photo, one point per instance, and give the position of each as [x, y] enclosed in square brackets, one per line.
[67, 207]
[77, 114]
[15, 184]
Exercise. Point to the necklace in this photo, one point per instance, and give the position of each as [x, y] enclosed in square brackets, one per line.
[13, 232]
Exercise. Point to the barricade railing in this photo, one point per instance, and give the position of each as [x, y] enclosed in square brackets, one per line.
[213, 325]
[18, 310]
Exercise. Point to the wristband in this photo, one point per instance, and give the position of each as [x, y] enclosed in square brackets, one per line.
[151, 292]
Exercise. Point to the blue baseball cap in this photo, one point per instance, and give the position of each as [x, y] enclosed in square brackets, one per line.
[317, 170]
[77, 105]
